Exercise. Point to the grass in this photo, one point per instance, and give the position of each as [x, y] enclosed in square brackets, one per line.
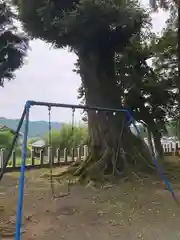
[19, 160]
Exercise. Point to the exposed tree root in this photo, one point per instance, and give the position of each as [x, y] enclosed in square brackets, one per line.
[104, 169]
[99, 170]
[113, 160]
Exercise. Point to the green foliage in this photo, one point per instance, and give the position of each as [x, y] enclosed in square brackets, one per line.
[165, 5]
[5, 139]
[19, 151]
[165, 60]
[148, 89]
[68, 137]
[165, 64]
[82, 24]
[6, 142]
[13, 44]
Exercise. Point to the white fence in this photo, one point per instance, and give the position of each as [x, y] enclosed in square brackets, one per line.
[169, 145]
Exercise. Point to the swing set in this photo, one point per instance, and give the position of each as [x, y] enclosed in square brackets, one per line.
[25, 118]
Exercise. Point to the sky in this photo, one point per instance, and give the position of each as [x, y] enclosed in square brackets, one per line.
[47, 76]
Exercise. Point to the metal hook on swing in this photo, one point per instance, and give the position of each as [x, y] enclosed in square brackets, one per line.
[49, 109]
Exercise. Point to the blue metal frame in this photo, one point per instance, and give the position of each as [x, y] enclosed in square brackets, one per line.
[21, 184]
[130, 120]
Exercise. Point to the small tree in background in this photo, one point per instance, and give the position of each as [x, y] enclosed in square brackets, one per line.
[68, 137]
[5, 140]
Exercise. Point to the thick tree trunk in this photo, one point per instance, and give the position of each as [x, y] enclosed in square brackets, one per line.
[113, 146]
[178, 55]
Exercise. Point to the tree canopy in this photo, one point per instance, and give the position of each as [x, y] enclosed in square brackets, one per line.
[13, 43]
[74, 22]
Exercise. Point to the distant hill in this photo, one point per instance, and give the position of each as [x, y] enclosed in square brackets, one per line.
[36, 128]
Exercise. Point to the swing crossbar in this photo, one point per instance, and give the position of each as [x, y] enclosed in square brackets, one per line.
[83, 107]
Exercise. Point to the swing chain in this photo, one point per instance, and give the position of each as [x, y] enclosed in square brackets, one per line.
[51, 162]
[50, 130]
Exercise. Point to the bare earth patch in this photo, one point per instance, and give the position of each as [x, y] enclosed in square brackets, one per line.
[132, 210]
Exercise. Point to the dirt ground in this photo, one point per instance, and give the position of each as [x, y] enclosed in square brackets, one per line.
[142, 209]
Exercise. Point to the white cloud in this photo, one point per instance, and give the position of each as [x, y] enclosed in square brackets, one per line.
[47, 76]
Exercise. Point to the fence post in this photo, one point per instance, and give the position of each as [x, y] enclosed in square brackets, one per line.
[163, 148]
[49, 155]
[52, 155]
[14, 159]
[2, 159]
[171, 147]
[85, 152]
[176, 149]
[41, 157]
[32, 156]
[79, 153]
[58, 155]
[65, 156]
[72, 154]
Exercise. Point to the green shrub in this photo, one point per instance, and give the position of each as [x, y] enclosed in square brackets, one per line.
[19, 152]
[5, 139]
[68, 138]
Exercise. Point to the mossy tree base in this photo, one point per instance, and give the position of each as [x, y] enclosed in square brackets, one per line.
[136, 159]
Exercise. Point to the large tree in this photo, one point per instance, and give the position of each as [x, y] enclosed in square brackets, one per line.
[96, 30]
[13, 43]
[143, 88]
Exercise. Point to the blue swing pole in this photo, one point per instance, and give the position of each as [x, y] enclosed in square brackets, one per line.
[21, 184]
